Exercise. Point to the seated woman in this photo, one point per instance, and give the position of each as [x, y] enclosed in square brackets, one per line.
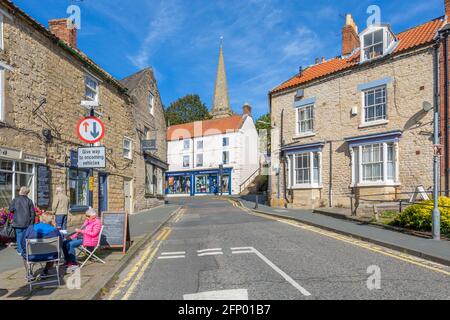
[45, 229]
[89, 232]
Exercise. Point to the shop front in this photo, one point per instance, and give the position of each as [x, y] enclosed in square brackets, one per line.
[192, 183]
[17, 170]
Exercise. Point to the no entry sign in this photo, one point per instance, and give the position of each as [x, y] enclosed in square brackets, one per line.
[90, 129]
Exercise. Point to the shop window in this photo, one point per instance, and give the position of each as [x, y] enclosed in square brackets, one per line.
[79, 187]
[179, 185]
[304, 170]
[13, 175]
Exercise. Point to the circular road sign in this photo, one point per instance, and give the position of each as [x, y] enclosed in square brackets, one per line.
[90, 129]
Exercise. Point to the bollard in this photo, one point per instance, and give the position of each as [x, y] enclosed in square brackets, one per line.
[256, 202]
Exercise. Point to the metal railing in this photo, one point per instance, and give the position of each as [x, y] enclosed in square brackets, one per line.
[249, 180]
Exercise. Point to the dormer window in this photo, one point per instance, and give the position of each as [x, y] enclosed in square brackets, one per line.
[376, 41]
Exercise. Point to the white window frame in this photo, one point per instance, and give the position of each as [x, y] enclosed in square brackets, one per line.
[2, 95]
[292, 170]
[95, 90]
[188, 161]
[364, 107]
[358, 166]
[2, 42]
[298, 121]
[130, 150]
[227, 157]
[198, 163]
[151, 103]
[188, 144]
[389, 41]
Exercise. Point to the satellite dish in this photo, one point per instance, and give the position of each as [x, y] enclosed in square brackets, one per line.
[426, 106]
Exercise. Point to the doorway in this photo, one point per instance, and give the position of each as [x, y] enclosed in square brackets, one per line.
[102, 192]
[127, 190]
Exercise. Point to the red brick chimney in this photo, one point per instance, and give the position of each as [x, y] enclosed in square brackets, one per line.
[447, 9]
[350, 38]
[59, 27]
[247, 109]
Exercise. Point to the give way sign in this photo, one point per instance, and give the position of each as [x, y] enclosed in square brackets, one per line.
[90, 129]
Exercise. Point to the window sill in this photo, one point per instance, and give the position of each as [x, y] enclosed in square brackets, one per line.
[373, 124]
[376, 184]
[304, 135]
[306, 187]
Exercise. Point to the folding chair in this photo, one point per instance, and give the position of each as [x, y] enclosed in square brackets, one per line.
[91, 253]
[49, 247]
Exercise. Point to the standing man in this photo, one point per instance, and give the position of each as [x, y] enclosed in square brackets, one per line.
[22, 208]
[60, 207]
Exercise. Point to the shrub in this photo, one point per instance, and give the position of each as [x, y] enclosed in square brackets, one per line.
[418, 216]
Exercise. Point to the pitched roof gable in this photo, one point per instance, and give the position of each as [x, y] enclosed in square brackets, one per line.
[413, 38]
[205, 128]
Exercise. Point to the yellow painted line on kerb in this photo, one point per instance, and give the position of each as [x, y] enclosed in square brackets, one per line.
[355, 242]
[138, 265]
[141, 272]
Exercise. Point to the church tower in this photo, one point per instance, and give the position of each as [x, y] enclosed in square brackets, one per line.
[221, 104]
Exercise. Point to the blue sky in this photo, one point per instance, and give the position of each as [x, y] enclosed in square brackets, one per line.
[265, 41]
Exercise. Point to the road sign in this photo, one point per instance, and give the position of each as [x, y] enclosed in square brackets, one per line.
[90, 129]
[91, 158]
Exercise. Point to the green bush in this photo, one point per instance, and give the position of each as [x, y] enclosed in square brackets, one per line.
[418, 216]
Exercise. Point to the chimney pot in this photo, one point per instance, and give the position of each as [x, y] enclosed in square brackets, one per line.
[247, 109]
[61, 29]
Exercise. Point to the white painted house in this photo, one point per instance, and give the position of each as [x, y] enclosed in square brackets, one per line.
[225, 148]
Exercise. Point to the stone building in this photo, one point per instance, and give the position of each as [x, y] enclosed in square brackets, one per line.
[150, 125]
[360, 123]
[44, 78]
[225, 148]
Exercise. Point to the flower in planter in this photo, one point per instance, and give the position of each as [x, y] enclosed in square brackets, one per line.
[5, 216]
[38, 213]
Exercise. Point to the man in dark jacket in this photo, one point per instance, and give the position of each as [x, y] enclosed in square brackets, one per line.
[22, 208]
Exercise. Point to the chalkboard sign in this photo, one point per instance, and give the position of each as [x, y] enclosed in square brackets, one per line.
[116, 230]
[43, 186]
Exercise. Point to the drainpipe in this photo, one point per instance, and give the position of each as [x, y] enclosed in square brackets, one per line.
[330, 190]
[444, 37]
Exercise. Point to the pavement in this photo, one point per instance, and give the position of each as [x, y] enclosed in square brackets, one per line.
[94, 276]
[438, 251]
[214, 249]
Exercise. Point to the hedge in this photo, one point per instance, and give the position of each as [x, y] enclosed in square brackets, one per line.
[418, 216]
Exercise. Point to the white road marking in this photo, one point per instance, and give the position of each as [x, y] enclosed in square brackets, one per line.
[237, 294]
[243, 248]
[173, 253]
[241, 251]
[210, 254]
[207, 250]
[171, 257]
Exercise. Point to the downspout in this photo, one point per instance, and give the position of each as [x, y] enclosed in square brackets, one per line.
[446, 123]
[330, 190]
[282, 158]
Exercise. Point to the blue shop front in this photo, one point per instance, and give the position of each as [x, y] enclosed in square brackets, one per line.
[203, 182]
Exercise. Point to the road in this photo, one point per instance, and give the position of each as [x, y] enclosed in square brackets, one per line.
[215, 250]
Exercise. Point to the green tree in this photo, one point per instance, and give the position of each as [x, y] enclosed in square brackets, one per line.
[187, 109]
[264, 123]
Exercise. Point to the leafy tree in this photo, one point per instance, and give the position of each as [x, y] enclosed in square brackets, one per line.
[187, 109]
[264, 123]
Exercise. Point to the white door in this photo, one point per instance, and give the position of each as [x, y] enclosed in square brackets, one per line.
[127, 188]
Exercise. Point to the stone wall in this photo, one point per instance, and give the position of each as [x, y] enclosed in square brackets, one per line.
[412, 85]
[45, 72]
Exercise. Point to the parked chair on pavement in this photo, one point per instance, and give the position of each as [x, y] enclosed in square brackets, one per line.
[49, 248]
[90, 251]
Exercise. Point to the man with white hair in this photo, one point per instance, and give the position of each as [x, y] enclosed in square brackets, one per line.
[22, 209]
[88, 236]
[60, 208]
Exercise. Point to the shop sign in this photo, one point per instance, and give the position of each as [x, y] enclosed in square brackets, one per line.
[10, 153]
[35, 159]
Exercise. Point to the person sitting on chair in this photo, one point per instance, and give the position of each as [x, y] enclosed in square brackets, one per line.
[87, 236]
[45, 229]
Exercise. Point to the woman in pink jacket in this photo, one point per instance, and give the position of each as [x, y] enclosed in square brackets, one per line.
[90, 232]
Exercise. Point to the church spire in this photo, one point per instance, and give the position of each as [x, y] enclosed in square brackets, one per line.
[221, 105]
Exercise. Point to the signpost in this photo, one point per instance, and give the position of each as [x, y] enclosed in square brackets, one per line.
[90, 158]
[90, 130]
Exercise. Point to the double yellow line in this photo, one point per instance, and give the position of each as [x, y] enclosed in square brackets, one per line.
[140, 267]
[362, 244]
